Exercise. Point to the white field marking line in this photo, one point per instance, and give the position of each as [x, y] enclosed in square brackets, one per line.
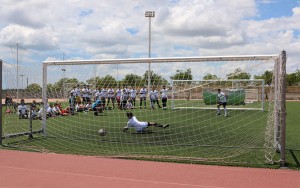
[245, 169]
[109, 177]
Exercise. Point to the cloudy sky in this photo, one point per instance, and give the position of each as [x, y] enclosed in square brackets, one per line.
[99, 29]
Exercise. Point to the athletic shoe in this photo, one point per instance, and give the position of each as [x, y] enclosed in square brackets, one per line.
[225, 115]
[165, 126]
[218, 114]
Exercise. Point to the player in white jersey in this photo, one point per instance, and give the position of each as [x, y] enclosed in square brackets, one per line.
[222, 101]
[118, 97]
[95, 93]
[140, 126]
[104, 95]
[124, 98]
[111, 97]
[157, 96]
[22, 110]
[133, 94]
[88, 94]
[84, 94]
[164, 97]
[78, 94]
[129, 104]
[152, 98]
[143, 94]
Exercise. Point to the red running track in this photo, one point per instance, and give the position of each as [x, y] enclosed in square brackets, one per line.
[27, 169]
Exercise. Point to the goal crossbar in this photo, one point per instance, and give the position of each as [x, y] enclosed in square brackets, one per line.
[162, 60]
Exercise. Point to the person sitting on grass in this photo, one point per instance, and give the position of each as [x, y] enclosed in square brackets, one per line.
[56, 109]
[140, 126]
[129, 104]
[79, 107]
[49, 111]
[88, 106]
[97, 107]
[22, 110]
[33, 110]
[65, 112]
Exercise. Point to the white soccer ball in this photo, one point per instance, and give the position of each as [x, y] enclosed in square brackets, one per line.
[102, 132]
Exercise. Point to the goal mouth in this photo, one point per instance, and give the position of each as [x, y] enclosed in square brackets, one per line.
[180, 91]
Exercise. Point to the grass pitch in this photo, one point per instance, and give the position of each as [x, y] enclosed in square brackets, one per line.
[194, 136]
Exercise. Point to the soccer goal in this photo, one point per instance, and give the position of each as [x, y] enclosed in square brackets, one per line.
[241, 94]
[181, 93]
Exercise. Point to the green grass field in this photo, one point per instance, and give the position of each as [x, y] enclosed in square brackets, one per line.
[194, 136]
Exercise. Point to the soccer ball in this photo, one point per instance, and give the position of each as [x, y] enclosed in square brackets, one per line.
[102, 132]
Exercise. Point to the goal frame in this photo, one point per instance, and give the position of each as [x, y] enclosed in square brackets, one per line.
[279, 70]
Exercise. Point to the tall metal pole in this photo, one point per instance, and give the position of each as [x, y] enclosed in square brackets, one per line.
[64, 70]
[17, 72]
[64, 87]
[149, 14]
[22, 75]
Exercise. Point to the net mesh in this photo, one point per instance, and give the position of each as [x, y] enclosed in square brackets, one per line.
[246, 136]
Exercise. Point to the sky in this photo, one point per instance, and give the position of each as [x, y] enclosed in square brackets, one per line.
[114, 29]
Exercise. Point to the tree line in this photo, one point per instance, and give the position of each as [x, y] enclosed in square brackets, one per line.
[134, 80]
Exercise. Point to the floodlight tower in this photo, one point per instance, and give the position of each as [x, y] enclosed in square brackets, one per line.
[64, 87]
[149, 14]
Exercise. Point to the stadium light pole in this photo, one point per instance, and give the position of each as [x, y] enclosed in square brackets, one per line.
[149, 14]
[22, 75]
[64, 75]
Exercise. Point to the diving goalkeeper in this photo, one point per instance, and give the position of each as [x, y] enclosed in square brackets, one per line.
[140, 126]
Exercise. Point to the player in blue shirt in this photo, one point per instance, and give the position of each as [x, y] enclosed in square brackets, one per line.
[97, 107]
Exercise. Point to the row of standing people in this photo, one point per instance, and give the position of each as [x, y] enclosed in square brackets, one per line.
[123, 97]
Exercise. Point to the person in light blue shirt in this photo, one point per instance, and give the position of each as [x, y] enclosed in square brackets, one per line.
[97, 107]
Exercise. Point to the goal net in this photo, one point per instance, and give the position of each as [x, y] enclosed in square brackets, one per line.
[243, 94]
[80, 97]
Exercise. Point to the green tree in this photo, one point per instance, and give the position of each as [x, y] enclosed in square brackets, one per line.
[65, 84]
[238, 74]
[155, 79]
[183, 75]
[210, 77]
[292, 79]
[133, 80]
[267, 76]
[34, 88]
[106, 81]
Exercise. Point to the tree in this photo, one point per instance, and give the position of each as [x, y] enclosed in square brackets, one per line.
[65, 84]
[106, 81]
[267, 76]
[291, 79]
[34, 88]
[238, 74]
[133, 80]
[210, 77]
[183, 75]
[155, 79]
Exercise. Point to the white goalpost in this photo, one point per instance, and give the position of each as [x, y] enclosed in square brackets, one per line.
[251, 134]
